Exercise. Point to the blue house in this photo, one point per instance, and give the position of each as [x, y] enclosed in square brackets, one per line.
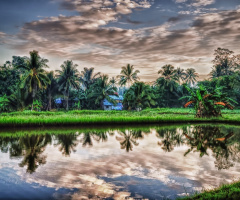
[110, 106]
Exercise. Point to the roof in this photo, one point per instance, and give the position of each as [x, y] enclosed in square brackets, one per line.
[120, 97]
[107, 103]
[114, 97]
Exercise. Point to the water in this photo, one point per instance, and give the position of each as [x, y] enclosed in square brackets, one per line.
[117, 163]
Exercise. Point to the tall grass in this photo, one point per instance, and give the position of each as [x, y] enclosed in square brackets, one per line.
[97, 117]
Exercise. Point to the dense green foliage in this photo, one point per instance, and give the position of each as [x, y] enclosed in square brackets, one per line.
[25, 82]
[139, 96]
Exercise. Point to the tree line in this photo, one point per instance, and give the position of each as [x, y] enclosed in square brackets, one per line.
[25, 83]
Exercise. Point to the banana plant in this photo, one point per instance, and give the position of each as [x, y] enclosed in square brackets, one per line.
[208, 104]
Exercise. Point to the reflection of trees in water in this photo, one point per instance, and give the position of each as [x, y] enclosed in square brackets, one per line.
[88, 137]
[10, 144]
[202, 138]
[128, 138]
[67, 143]
[169, 139]
[33, 147]
[225, 157]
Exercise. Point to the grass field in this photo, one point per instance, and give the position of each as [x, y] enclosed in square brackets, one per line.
[225, 192]
[98, 117]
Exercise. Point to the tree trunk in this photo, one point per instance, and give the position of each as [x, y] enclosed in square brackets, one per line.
[200, 111]
[33, 94]
[67, 100]
[49, 102]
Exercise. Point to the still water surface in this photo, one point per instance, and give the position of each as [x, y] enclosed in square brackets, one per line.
[117, 163]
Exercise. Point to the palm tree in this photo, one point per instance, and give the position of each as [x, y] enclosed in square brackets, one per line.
[35, 76]
[101, 89]
[167, 83]
[87, 77]
[113, 81]
[180, 74]
[128, 75]
[139, 96]
[52, 89]
[191, 76]
[167, 72]
[68, 77]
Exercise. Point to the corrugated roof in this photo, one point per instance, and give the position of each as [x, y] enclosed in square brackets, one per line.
[120, 97]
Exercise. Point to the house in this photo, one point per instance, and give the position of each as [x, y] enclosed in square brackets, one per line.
[110, 106]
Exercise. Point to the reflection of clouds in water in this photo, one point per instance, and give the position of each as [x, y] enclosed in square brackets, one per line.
[146, 161]
[86, 168]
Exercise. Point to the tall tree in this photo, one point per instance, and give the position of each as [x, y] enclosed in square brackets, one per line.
[87, 77]
[167, 72]
[68, 78]
[191, 76]
[35, 77]
[180, 74]
[225, 63]
[128, 75]
[166, 86]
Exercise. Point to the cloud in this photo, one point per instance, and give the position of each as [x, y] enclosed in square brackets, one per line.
[196, 3]
[2, 37]
[199, 3]
[181, 1]
[89, 38]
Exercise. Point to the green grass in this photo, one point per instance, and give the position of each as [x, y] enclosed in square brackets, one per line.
[225, 192]
[98, 117]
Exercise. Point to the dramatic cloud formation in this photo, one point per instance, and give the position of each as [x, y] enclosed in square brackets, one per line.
[108, 34]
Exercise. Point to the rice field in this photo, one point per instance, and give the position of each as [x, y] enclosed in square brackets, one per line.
[99, 117]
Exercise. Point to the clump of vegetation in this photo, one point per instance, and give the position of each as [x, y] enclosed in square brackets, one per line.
[208, 104]
[225, 192]
[139, 96]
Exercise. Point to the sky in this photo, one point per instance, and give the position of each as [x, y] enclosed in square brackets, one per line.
[109, 34]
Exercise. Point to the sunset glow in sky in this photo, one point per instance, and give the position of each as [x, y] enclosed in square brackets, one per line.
[108, 34]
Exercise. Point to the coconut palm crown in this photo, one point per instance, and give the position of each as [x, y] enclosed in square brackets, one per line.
[35, 77]
[128, 75]
[68, 78]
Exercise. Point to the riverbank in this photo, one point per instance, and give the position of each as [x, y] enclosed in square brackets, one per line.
[98, 117]
[225, 192]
